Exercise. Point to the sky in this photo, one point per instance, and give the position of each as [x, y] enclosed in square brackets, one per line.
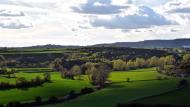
[87, 22]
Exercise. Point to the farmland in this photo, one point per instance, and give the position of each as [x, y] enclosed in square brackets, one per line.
[132, 77]
[58, 87]
[143, 83]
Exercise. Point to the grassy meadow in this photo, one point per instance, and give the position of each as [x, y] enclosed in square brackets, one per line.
[143, 83]
[58, 87]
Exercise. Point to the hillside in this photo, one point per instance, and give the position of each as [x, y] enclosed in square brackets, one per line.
[177, 43]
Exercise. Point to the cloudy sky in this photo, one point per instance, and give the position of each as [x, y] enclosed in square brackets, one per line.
[87, 22]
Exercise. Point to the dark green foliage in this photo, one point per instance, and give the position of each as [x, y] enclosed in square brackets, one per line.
[53, 99]
[72, 94]
[14, 104]
[86, 90]
[128, 79]
[22, 82]
[5, 85]
[74, 56]
[159, 77]
[38, 100]
[47, 76]
[183, 83]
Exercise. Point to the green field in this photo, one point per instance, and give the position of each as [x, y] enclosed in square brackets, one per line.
[143, 83]
[58, 87]
[178, 98]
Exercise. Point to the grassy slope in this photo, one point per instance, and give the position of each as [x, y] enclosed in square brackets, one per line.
[124, 92]
[59, 87]
[178, 98]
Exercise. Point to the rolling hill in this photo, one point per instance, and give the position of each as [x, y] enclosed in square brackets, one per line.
[177, 43]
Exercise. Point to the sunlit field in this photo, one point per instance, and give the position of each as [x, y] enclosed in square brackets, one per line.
[58, 87]
[143, 83]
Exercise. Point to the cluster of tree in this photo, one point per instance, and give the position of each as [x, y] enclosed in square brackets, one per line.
[176, 67]
[22, 82]
[71, 73]
[142, 63]
[9, 72]
[97, 72]
[29, 58]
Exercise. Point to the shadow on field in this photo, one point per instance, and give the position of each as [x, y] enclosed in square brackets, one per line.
[136, 81]
[117, 86]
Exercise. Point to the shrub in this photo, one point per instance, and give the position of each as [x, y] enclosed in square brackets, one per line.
[183, 83]
[166, 78]
[86, 90]
[128, 79]
[72, 94]
[14, 104]
[53, 99]
[38, 100]
[21, 82]
[47, 76]
[5, 85]
[159, 78]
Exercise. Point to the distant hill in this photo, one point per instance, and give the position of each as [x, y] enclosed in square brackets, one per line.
[177, 43]
[50, 46]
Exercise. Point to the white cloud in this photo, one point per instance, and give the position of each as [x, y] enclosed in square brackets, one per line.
[13, 24]
[83, 22]
[178, 6]
[11, 13]
[13, 20]
[133, 18]
[98, 7]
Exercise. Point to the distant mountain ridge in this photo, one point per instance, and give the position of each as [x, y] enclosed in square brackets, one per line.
[176, 43]
[52, 46]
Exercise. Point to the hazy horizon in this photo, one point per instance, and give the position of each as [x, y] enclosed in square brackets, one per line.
[89, 22]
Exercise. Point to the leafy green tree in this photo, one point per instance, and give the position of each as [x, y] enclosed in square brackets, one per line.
[154, 61]
[170, 60]
[140, 62]
[89, 68]
[186, 57]
[10, 72]
[130, 64]
[47, 76]
[2, 61]
[76, 70]
[162, 61]
[119, 64]
[99, 75]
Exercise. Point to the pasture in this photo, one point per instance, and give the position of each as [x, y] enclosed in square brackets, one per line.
[58, 87]
[127, 86]
[143, 83]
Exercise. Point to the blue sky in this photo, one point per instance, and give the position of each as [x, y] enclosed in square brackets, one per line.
[87, 22]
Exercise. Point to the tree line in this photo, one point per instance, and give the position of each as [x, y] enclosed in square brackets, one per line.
[180, 67]
[22, 82]
[154, 61]
[98, 72]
